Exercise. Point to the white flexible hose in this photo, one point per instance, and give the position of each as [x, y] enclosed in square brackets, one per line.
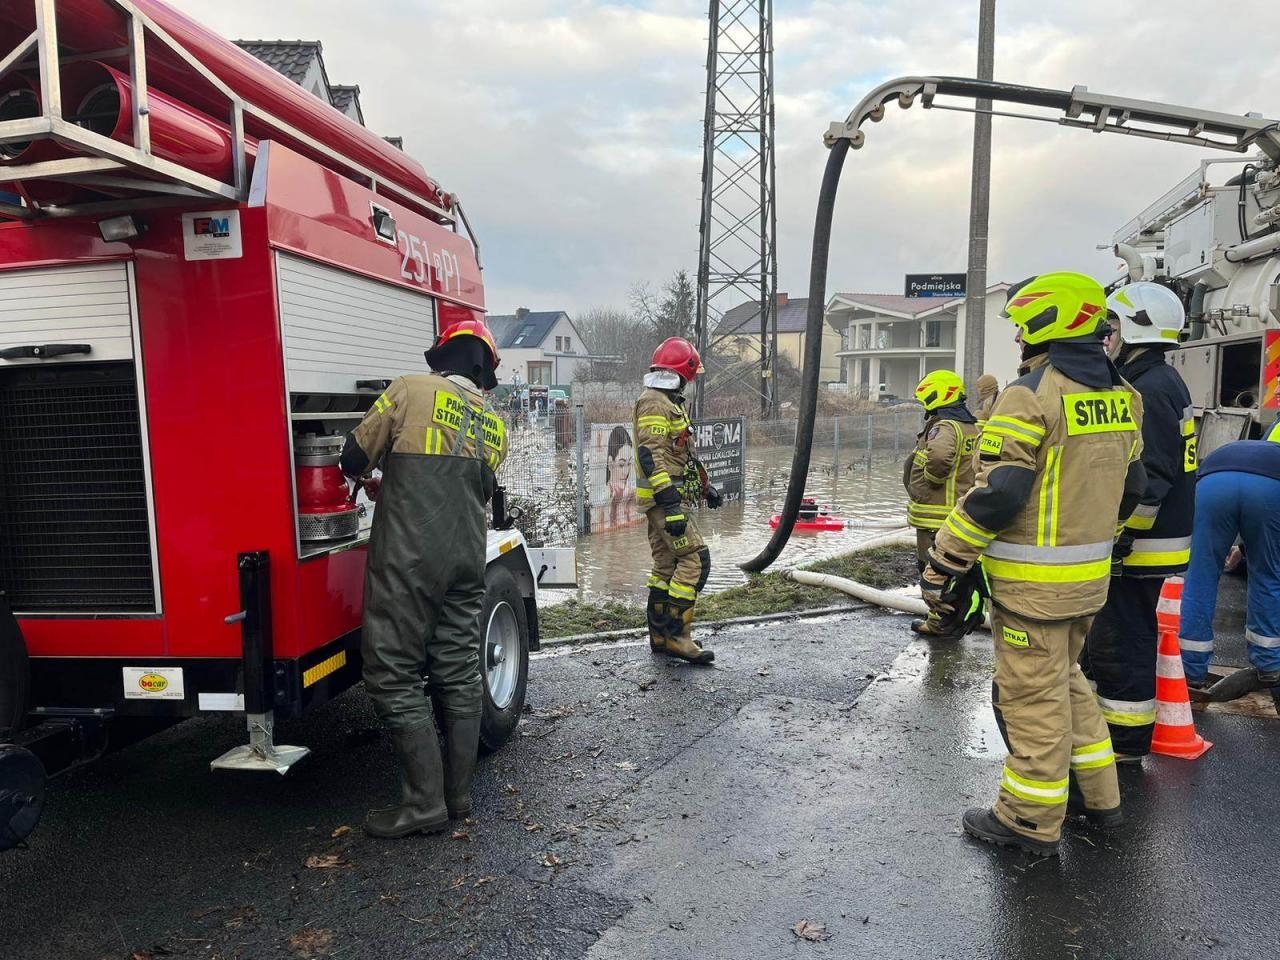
[881, 598]
[860, 591]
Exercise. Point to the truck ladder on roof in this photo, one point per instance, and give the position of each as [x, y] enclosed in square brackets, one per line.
[101, 161]
[106, 161]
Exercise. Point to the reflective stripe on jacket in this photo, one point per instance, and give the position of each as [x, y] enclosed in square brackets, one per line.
[1161, 524]
[431, 415]
[1059, 468]
[663, 440]
[940, 469]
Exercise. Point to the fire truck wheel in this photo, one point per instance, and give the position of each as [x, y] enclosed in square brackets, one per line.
[14, 675]
[504, 657]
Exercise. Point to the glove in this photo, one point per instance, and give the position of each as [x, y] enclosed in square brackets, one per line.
[1119, 550]
[956, 602]
[1123, 546]
[932, 584]
[714, 500]
[676, 524]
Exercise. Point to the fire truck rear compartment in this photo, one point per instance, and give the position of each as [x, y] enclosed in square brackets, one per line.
[1241, 371]
[74, 532]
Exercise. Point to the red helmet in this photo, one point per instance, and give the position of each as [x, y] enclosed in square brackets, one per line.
[679, 356]
[470, 328]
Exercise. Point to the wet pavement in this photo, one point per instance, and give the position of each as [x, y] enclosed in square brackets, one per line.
[652, 810]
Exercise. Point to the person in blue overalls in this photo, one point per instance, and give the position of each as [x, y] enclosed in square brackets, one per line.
[1238, 495]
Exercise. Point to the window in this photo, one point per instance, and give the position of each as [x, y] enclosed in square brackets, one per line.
[539, 374]
[523, 334]
[559, 341]
[567, 347]
[933, 333]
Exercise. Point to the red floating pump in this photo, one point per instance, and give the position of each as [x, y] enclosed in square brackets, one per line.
[326, 510]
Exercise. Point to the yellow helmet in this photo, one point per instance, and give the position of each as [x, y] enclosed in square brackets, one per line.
[1057, 306]
[940, 388]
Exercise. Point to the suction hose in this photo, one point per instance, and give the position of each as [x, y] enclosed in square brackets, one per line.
[812, 360]
[860, 591]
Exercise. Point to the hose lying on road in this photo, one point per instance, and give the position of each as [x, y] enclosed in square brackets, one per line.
[881, 598]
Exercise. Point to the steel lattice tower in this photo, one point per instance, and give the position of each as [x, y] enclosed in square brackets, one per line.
[737, 258]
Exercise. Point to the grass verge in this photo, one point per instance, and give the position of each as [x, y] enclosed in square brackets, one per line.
[883, 567]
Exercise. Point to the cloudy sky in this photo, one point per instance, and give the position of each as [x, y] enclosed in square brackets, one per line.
[572, 128]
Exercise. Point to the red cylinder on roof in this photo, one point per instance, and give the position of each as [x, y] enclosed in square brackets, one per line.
[89, 26]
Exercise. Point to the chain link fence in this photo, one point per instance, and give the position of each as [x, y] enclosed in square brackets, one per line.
[548, 453]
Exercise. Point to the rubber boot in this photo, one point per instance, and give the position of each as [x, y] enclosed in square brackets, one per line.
[981, 823]
[421, 805]
[461, 744]
[1105, 819]
[659, 623]
[680, 642]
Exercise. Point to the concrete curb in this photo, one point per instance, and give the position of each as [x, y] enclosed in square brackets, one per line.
[711, 624]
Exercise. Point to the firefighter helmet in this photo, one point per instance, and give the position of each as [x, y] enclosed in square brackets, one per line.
[1056, 306]
[679, 356]
[1148, 313]
[939, 389]
[447, 342]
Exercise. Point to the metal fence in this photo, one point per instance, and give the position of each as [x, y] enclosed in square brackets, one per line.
[551, 456]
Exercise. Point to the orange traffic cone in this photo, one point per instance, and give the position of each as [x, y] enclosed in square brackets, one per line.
[1175, 733]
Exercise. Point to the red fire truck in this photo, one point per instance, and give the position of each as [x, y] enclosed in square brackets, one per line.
[207, 275]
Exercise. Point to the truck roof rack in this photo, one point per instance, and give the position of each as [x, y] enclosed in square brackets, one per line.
[111, 174]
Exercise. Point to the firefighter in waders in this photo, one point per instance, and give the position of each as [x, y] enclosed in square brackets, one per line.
[664, 455]
[941, 467]
[438, 449]
[1059, 470]
[1120, 653]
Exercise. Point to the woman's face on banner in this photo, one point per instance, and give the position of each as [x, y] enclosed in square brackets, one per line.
[620, 465]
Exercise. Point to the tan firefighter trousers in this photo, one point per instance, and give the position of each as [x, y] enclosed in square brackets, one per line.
[680, 564]
[1051, 723]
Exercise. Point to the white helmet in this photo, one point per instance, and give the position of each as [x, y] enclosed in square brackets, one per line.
[1148, 313]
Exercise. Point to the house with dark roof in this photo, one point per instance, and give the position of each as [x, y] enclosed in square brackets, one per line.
[739, 332]
[889, 342]
[540, 348]
[302, 61]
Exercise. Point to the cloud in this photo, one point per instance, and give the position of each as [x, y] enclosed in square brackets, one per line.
[572, 128]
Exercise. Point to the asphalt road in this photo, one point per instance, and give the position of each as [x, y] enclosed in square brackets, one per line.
[653, 810]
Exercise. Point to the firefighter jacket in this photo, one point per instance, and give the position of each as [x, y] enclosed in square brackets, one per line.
[1059, 469]
[663, 447]
[1161, 523]
[942, 466]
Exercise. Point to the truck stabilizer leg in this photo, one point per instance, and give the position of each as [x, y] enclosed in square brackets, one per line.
[261, 752]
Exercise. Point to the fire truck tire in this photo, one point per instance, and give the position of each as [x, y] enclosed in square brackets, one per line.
[504, 657]
[14, 675]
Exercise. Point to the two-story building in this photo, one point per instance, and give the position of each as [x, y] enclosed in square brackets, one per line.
[889, 342]
[738, 332]
[537, 348]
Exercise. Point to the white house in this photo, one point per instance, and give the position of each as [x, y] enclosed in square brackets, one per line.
[537, 348]
[889, 342]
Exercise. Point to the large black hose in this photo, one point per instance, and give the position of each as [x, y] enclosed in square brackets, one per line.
[812, 360]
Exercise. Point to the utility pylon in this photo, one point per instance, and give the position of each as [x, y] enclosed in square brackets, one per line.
[737, 258]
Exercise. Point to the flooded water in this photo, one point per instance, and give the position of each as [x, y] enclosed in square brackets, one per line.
[616, 563]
